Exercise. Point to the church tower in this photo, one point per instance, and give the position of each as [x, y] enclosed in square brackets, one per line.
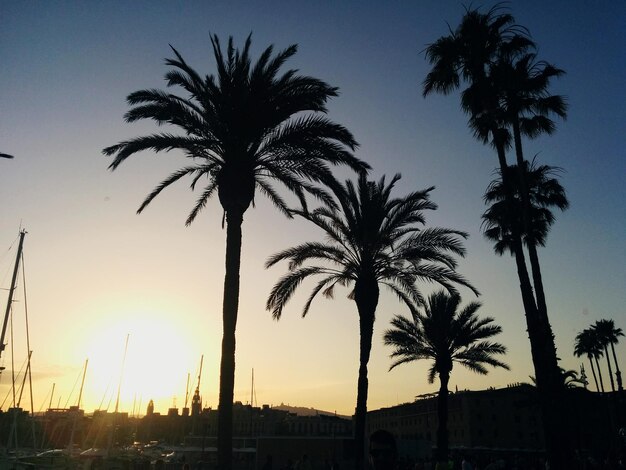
[150, 410]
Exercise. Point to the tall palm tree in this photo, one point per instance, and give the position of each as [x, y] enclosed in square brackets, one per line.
[528, 108]
[469, 55]
[608, 334]
[466, 56]
[444, 334]
[373, 239]
[245, 128]
[544, 193]
[587, 344]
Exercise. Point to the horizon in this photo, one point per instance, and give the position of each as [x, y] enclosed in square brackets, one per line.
[96, 272]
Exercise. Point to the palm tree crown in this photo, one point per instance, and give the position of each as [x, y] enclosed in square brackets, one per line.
[241, 128]
[544, 191]
[372, 236]
[444, 334]
[372, 239]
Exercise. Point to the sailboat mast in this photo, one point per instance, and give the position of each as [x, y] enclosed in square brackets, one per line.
[11, 290]
[252, 390]
[82, 384]
[119, 386]
[187, 390]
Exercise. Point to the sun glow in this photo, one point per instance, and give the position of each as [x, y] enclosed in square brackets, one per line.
[159, 354]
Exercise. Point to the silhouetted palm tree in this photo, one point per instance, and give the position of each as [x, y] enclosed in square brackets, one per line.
[608, 334]
[470, 55]
[544, 192]
[244, 128]
[444, 334]
[570, 379]
[465, 56]
[372, 240]
[528, 107]
[587, 344]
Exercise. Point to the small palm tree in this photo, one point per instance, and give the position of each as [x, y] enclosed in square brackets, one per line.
[244, 129]
[571, 378]
[444, 334]
[608, 335]
[587, 344]
[372, 240]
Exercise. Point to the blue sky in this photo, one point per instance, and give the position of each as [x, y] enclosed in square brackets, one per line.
[96, 271]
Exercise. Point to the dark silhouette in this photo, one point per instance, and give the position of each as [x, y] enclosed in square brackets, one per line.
[5, 155]
[383, 454]
[607, 334]
[507, 94]
[544, 192]
[372, 239]
[245, 128]
[587, 343]
[527, 106]
[445, 335]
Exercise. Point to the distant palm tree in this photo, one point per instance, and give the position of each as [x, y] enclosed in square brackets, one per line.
[372, 240]
[245, 128]
[544, 192]
[570, 379]
[444, 334]
[587, 344]
[608, 334]
[5, 155]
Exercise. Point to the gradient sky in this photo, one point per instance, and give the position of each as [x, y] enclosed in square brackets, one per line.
[97, 272]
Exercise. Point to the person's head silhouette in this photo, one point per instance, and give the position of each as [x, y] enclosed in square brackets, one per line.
[382, 450]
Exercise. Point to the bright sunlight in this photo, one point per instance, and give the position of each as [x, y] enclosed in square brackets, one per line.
[158, 358]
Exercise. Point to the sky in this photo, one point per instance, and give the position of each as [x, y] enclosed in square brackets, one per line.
[95, 273]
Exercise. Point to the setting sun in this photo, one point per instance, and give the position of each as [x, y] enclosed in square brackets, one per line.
[157, 360]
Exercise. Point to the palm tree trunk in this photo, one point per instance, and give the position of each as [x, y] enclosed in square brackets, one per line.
[618, 374]
[537, 281]
[533, 257]
[234, 220]
[546, 368]
[599, 374]
[442, 417]
[608, 363]
[593, 371]
[366, 295]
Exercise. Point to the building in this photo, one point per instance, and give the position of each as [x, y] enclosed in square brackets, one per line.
[505, 420]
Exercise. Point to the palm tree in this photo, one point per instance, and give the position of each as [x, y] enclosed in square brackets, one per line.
[586, 343]
[372, 240]
[607, 335]
[244, 128]
[466, 55]
[470, 54]
[444, 334]
[544, 193]
[528, 107]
